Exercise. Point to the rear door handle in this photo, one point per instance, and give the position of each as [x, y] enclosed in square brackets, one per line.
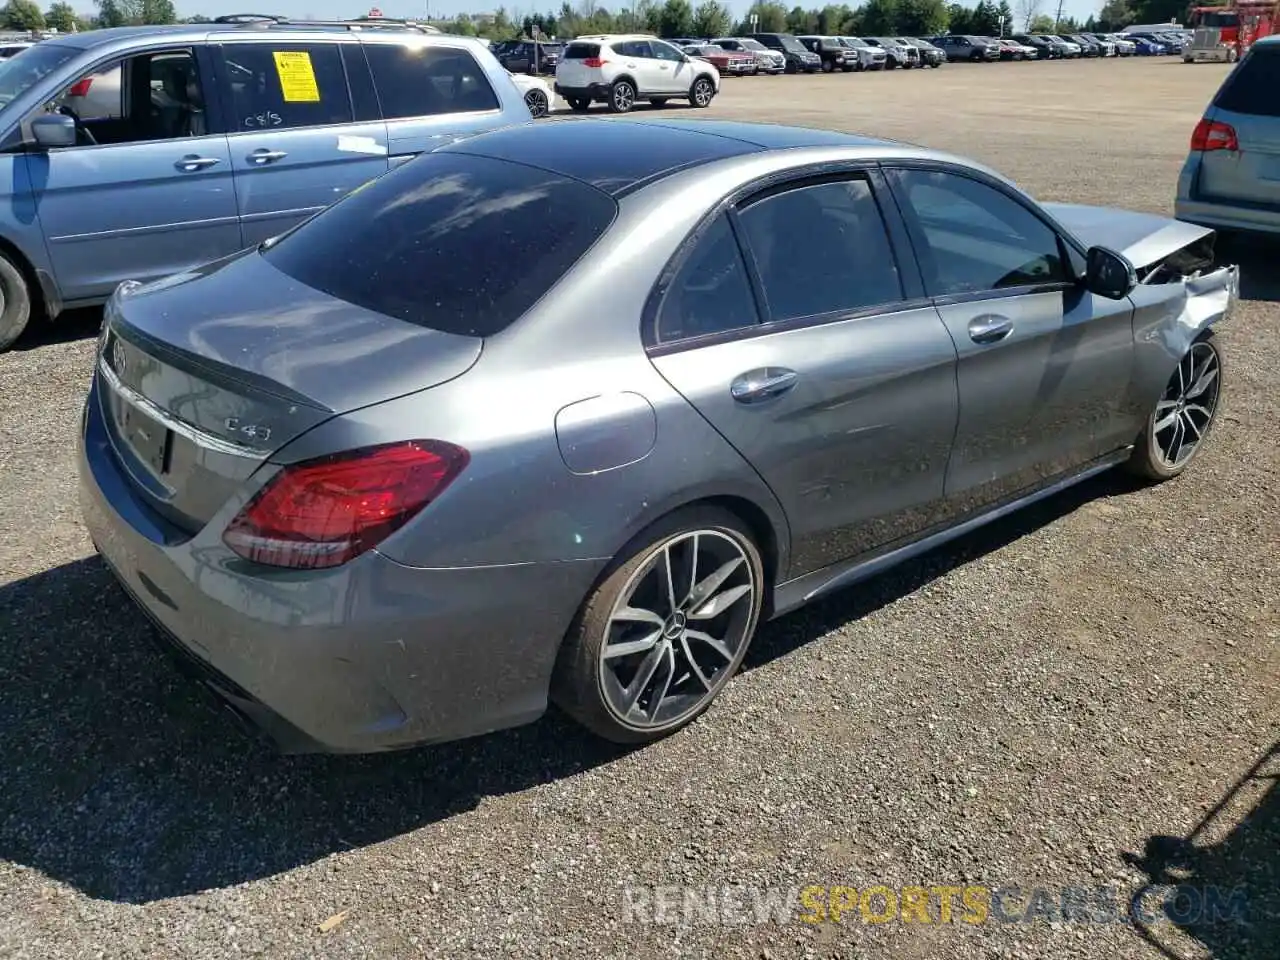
[989, 328]
[191, 162]
[763, 384]
[266, 156]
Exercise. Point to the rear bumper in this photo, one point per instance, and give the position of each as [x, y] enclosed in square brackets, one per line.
[1228, 216]
[370, 656]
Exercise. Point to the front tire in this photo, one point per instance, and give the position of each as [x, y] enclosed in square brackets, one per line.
[622, 96]
[15, 303]
[665, 629]
[702, 92]
[1183, 416]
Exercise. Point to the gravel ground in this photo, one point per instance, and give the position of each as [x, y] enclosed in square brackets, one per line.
[1026, 707]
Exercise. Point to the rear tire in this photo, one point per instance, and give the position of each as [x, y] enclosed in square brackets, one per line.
[15, 303]
[578, 105]
[685, 671]
[1186, 411]
[622, 96]
[827, 66]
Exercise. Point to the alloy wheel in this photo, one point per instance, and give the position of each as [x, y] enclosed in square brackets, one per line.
[702, 92]
[624, 97]
[1185, 412]
[678, 629]
[536, 100]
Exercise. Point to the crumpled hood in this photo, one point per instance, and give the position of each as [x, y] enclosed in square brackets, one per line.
[1144, 238]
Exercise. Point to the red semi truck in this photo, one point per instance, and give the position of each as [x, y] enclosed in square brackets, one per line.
[1225, 33]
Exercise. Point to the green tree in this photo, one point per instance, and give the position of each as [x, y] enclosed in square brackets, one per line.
[983, 20]
[1003, 10]
[771, 18]
[802, 21]
[1041, 23]
[1115, 15]
[158, 11]
[21, 15]
[61, 17]
[922, 18]
[711, 19]
[110, 13]
[675, 19]
[959, 19]
[880, 18]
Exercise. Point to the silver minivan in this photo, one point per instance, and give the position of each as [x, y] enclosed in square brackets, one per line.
[1231, 178]
[138, 152]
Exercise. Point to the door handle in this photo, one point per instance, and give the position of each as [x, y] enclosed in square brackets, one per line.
[989, 328]
[756, 385]
[662, 66]
[191, 162]
[266, 156]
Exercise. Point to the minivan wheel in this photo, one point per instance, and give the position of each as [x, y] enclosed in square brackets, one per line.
[702, 93]
[622, 96]
[537, 103]
[665, 629]
[578, 105]
[15, 303]
[1180, 423]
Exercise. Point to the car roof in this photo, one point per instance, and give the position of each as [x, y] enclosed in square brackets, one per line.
[620, 156]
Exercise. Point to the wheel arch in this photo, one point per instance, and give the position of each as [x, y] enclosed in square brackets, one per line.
[45, 303]
[630, 79]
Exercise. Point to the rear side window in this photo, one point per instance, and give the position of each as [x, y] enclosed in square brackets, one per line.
[581, 51]
[1251, 87]
[427, 81]
[279, 85]
[710, 292]
[453, 242]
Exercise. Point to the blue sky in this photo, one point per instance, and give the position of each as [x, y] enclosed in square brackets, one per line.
[349, 8]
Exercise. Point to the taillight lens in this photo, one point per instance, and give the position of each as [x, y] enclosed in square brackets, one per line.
[1214, 135]
[322, 513]
[81, 87]
[594, 63]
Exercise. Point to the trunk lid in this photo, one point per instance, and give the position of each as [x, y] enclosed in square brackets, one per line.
[204, 375]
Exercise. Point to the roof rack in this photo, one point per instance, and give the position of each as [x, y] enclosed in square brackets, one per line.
[260, 20]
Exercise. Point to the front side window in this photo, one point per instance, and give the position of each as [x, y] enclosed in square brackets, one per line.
[665, 51]
[426, 81]
[276, 86]
[152, 96]
[970, 237]
[821, 248]
[711, 292]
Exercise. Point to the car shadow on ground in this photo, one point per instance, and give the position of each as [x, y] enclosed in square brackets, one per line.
[123, 782]
[73, 325]
[1225, 873]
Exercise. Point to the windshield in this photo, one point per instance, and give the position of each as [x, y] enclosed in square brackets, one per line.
[754, 45]
[857, 42]
[19, 74]
[792, 44]
[1209, 19]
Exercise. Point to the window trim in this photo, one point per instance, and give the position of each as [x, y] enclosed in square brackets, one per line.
[218, 51]
[205, 68]
[1067, 244]
[771, 184]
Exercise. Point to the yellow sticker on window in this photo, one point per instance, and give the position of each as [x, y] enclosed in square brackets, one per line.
[297, 77]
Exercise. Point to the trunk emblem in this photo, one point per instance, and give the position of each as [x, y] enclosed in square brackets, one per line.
[251, 431]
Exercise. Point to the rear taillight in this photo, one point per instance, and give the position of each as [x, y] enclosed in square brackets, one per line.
[322, 513]
[1214, 135]
[80, 88]
[595, 63]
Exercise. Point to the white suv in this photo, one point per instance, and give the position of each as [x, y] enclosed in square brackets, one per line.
[620, 70]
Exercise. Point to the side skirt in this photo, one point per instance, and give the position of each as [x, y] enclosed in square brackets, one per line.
[800, 591]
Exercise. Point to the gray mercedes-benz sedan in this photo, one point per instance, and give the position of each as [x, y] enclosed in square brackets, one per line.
[564, 412]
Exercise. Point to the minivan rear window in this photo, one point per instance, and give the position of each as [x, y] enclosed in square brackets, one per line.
[454, 242]
[581, 51]
[1251, 87]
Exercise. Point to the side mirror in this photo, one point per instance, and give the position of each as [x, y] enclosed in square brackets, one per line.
[1108, 274]
[54, 130]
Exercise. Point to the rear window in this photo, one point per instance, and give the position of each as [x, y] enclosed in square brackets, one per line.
[581, 51]
[453, 242]
[1251, 87]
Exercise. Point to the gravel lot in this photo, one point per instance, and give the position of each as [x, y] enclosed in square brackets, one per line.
[1022, 708]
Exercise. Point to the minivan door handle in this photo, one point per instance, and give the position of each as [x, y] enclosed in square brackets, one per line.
[763, 384]
[191, 162]
[989, 328]
[264, 155]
